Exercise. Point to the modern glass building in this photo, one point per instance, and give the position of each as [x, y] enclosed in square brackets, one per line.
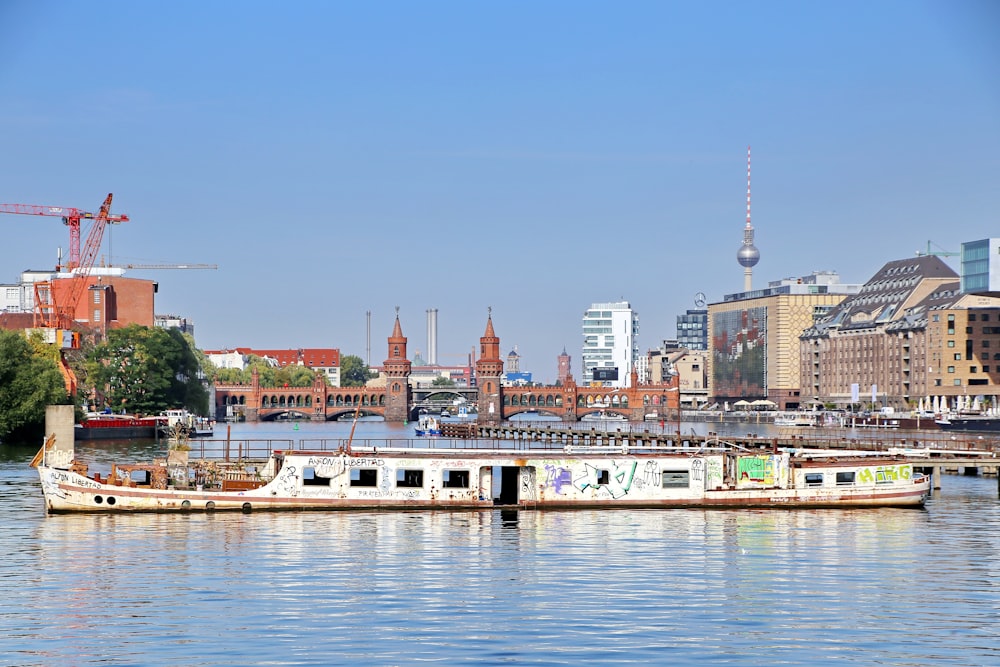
[692, 330]
[981, 266]
[610, 344]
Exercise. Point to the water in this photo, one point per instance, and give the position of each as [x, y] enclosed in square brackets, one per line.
[824, 587]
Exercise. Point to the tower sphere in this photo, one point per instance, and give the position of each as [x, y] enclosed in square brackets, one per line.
[748, 256]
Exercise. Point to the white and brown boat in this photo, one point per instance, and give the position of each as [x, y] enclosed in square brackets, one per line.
[477, 474]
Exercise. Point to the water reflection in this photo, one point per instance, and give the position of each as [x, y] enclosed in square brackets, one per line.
[813, 587]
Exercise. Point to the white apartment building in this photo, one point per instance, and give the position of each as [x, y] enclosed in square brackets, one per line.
[610, 344]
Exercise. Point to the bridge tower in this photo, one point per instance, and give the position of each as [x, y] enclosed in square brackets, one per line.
[397, 371]
[489, 370]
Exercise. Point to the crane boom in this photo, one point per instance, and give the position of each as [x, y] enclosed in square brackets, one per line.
[170, 266]
[70, 216]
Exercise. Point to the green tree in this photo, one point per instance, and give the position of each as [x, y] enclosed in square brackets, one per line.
[294, 376]
[147, 370]
[29, 380]
[443, 382]
[354, 372]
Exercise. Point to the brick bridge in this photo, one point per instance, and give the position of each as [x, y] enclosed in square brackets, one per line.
[396, 401]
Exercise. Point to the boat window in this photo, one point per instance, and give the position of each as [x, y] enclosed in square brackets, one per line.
[845, 478]
[455, 479]
[364, 476]
[140, 477]
[409, 478]
[310, 478]
[675, 479]
[814, 479]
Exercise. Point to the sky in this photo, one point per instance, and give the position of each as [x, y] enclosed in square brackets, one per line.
[336, 158]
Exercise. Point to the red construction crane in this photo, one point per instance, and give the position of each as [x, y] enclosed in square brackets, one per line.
[70, 217]
[56, 312]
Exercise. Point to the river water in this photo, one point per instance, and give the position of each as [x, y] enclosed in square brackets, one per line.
[669, 587]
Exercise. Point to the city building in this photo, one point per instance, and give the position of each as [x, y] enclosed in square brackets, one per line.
[688, 366]
[322, 360]
[174, 322]
[754, 337]
[563, 370]
[513, 375]
[692, 329]
[610, 344]
[105, 298]
[981, 267]
[909, 337]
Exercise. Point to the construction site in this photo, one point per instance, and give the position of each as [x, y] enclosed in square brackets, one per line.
[79, 296]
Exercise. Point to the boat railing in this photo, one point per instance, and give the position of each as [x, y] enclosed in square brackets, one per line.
[261, 449]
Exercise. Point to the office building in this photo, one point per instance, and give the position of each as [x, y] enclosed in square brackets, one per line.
[610, 344]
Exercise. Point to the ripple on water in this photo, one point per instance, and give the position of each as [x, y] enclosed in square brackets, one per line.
[540, 588]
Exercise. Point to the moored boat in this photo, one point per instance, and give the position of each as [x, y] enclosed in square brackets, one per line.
[484, 474]
[427, 425]
[972, 423]
[182, 424]
[106, 426]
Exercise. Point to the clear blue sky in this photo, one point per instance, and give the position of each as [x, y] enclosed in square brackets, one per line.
[335, 157]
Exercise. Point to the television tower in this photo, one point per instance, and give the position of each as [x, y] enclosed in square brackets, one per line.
[748, 255]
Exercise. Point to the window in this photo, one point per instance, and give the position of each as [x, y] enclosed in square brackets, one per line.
[951, 369]
[973, 369]
[310, 478]
[603, 477]
[409, 478]
[958, 356]
[364, 476]
[986, 369]
[845, 478]
[675, 479]
[951, 343]
[97, 296]
[97, 315]
[814, 479]
[957, 382]
[455, 479]
[986, 343]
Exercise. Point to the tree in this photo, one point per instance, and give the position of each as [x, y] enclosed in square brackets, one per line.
[147, 370]
[442, 381]
[354, 372]
[29, 380]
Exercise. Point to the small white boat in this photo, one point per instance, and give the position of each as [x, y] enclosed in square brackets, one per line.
[427, 425]
[603, 416]
[182, 424]
[795, 419]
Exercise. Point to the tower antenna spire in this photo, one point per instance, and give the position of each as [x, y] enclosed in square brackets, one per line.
[748, 188]
[748, 255]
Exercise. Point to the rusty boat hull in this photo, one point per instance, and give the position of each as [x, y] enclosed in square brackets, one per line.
[422, 479]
